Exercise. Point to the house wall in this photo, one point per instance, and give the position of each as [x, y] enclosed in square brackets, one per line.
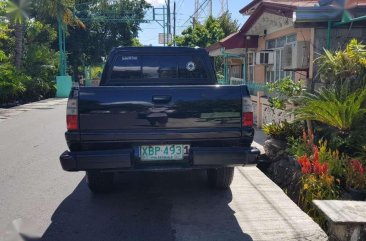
[303, 34]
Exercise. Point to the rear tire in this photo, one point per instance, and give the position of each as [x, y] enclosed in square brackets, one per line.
[99, 182]
[221, 177]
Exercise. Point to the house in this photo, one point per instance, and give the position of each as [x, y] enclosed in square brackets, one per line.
[283, 38]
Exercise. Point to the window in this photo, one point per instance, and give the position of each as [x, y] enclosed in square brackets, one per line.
[159, 67]
[271, 44]
[152, 67]
[126, 67]
[291, 38]
[281, 42]
[276, 71]
[191, 67]
[263, 57]
[236, 71]
[251, 64]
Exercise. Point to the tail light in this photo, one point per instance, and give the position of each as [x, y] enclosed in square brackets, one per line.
[72, 117]
[247, 112]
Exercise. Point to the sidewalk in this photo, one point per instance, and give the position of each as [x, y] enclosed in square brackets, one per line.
[265, 212]
[46, 104]
[259, 139]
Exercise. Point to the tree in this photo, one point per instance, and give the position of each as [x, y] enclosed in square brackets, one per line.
[90, 45]
[208, 33]
[227, 24]
[201, 35]
[4, 34]
[17, 12]
[60, 10]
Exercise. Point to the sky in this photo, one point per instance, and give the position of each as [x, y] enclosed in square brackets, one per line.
[185, 9]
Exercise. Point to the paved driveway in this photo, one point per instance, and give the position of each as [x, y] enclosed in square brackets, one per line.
[39, 201]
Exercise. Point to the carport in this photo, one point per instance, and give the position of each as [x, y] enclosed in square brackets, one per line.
[234, 47]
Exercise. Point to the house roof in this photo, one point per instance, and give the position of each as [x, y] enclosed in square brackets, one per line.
[330, 10]
[252, 6]
[306, 10]
[283, 8]
[235, 41]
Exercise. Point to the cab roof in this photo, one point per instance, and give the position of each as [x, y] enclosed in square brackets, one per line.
[158, 49]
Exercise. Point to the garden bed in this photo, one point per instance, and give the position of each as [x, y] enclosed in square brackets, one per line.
[322, 154]
[302, 185]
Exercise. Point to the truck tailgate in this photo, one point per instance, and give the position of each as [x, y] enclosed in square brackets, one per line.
[160, 112]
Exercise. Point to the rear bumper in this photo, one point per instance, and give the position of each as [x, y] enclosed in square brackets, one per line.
[200, 157]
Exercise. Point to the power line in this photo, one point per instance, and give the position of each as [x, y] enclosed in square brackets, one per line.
[203, 8]
[195, 12]
[180, 5]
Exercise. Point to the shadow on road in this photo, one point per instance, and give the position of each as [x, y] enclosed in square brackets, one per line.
[148, 207]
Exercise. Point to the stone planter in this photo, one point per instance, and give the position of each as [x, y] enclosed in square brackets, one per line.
[295, 163]
[275, 149]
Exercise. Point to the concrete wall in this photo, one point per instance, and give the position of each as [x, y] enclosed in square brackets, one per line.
[263, 113]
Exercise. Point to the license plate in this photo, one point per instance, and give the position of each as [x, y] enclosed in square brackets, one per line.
[163, 152]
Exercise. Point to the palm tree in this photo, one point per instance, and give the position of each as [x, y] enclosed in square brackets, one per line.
[17, 12]
[57, 9]
[60, 10]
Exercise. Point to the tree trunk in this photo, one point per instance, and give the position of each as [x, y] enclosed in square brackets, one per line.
[18, 44]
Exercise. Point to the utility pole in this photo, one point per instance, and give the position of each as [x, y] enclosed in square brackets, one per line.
[164, 33]
[210, 8]
[196, 10]
[174, 26]
[224, 6]
[169, 29]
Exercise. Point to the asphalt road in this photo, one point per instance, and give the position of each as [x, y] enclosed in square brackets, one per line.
[39, 201]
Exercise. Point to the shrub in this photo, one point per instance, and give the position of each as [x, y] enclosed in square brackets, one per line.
[316, 183]
[283, 90]
[335, 159]
[361, 152]
[220, 76]
[328, 107]
[300, 146]
[11, 83]
[283, 130]
[317, 187]
[96, 72]
[344, 67]
[37, 89]
[356, 175]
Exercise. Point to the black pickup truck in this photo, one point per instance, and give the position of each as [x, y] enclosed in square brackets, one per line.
[158, 109]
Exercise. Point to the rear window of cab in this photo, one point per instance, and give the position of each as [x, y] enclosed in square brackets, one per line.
[127, 68]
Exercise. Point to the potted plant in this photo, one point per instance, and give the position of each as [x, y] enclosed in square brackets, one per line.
[279, 134]
[356, 180]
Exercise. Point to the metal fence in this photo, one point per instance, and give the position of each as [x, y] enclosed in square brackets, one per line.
[253, 87]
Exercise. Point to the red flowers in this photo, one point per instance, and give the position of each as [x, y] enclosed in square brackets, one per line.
[320, 169]
[313, 166]
[316, 154]
[305, 164]
[357, 166]
[355, 175]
